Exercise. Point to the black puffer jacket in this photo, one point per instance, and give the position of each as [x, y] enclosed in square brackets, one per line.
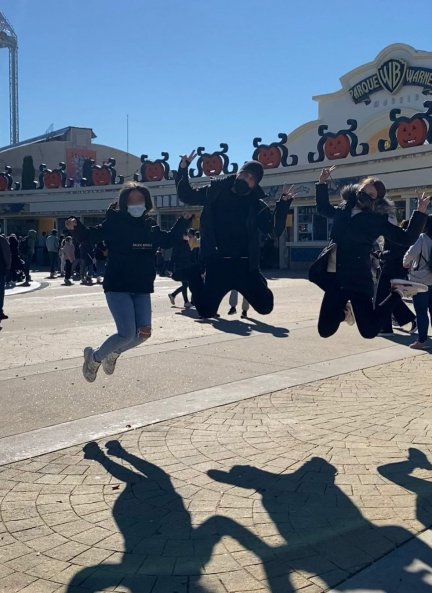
[131, 244]
[259, 218]
[354, 237]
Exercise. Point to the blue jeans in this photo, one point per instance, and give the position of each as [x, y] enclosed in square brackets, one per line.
[423, 304]
[131, 313]
[2, 291]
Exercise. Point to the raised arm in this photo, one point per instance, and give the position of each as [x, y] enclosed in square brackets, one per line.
[186, 193]
[324, 208]
[415, 227]
[81, 232]
[167, 239]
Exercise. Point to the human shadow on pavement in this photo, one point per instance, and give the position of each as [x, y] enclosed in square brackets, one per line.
[239, 327]
[163, 552]
[399, 473]
[324, 533]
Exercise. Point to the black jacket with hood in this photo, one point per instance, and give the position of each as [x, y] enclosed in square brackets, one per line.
[353, 237]
[132, 244]
[259, 217]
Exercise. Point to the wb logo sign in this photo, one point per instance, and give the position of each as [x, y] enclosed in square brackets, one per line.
[391, 74]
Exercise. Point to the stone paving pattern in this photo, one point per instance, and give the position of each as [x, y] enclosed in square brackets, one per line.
[290, 491]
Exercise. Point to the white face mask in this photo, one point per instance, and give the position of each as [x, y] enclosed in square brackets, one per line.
[136, 210]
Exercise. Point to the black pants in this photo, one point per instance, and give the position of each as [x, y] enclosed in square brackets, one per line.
[369, 319]
[182, 289]
[402, 313]
[68, 269]
[222, 276]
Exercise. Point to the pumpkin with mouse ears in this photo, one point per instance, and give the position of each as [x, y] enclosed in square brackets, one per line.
[339, 145]
[407, 132]
[154, 170]
[272, 156]
[214, 163]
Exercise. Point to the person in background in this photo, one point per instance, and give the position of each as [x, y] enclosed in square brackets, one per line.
[15, 266]
[27, 249]
[69, 256]
[418, 259]
[101, 253]
[40, 249]
[5, 264]
[233, 301]
[182, 261]
[86, 262]
[52, 245]
[61, 256]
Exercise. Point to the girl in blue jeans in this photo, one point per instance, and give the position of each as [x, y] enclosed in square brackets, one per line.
[132, 239]
[418, 259]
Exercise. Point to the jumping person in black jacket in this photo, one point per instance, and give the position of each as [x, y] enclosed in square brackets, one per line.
[234, 213]
[343, 268]
[132, 239]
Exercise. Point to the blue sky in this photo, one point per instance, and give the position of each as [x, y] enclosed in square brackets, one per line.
[192, 72]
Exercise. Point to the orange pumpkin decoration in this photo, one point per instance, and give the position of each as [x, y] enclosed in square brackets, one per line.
[270, 157]
[212, 165]
[3, 182]
[154, 171]
[101, 176]
[412, 133]
[52, 179]
[337, 147]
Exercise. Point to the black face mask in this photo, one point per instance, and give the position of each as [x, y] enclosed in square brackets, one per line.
[241, 187]
[364, 201]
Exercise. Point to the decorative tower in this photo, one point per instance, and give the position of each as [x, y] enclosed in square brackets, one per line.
[9, 40]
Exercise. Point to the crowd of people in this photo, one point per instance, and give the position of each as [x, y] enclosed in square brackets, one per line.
[223, 257]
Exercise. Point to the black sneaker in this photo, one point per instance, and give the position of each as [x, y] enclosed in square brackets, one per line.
[244, 314]
[413, 327]
[232, 311]
[3, 316]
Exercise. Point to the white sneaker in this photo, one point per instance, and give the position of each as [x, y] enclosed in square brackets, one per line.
[90, 366]
[109, 363]
[406, 289]
[349, 314]
[99, 280]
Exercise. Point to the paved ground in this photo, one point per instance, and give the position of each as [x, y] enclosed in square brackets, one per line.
[298, 489]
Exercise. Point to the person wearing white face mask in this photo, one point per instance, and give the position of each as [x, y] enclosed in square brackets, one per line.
[132, 238]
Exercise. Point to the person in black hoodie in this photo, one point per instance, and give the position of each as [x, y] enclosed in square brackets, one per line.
[233, 216]
[182, 260]
[343, 268]
[132, 239]
[5, 264]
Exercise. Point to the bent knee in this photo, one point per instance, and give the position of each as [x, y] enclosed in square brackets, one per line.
[144, 333]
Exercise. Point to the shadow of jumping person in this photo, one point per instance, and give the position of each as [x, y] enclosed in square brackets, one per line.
[399, 473]
[325, 533]
[163, 551]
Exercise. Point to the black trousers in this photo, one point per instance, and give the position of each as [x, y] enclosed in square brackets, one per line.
[369, 319]
[222, 276]
[182, 289]
[68, 269]
[402, 313]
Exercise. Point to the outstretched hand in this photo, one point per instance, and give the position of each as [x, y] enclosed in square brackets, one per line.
[288, 193]
[186, 160]
[423, 202]
[326, 173]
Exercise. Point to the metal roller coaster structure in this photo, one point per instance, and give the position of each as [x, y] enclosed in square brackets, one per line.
[9, 40]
